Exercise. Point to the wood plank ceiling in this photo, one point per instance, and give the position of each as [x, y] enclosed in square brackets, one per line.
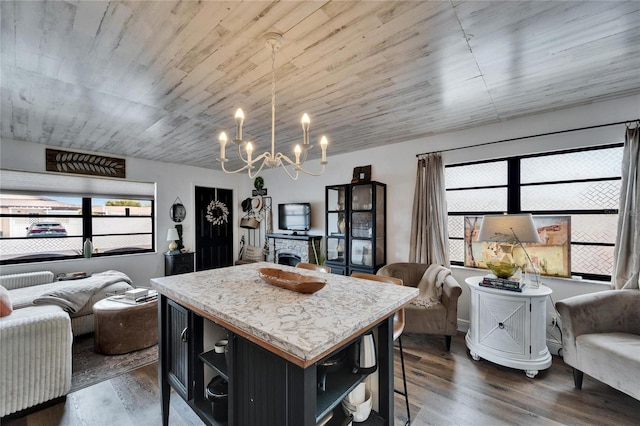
[159, 79]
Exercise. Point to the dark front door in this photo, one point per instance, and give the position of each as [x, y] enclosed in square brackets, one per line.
[214, 228]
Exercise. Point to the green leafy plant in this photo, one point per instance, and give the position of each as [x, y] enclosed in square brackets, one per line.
[258, 183]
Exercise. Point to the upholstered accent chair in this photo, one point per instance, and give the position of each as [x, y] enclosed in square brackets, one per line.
[601, 337]
[439, 317]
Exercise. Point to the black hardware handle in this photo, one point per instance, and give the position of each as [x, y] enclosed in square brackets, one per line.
[184, 336]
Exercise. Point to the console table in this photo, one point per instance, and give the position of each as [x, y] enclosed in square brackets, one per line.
[277, 341]
[508, 327]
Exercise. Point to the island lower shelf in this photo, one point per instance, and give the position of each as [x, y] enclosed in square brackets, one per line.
[217, 361]
[338, 382]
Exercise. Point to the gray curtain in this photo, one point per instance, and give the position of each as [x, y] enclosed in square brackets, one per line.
[626, 256]
[429, 234]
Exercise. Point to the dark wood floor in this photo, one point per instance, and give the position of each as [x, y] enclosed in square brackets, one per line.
[445, 388]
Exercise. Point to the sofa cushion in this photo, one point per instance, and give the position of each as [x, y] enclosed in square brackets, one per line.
[6, 307]
[618, 353]
[26, 279]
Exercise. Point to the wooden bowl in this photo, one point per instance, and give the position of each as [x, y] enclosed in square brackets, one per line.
[291, 281]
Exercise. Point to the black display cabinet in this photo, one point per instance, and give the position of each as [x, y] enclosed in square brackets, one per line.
[355, 227]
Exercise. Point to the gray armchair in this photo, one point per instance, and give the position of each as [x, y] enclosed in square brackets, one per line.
[440, 319]
[601, 337]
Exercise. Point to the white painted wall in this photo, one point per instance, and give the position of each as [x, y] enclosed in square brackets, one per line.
[394, 165]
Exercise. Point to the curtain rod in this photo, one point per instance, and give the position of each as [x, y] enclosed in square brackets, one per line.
[627, 122]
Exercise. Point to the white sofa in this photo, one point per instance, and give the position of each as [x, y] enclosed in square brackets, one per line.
[35, 357]
[35, 341]
[25, 288]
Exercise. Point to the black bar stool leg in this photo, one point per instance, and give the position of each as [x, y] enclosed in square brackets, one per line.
[404, 382]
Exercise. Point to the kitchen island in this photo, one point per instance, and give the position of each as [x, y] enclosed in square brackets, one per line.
[277, 339]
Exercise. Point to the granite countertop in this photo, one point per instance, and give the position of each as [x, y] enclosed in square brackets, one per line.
[304, 326]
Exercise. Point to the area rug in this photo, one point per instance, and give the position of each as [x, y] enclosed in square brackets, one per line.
[90, 368]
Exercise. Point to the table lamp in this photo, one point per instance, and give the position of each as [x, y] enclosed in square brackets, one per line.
[172, 235]
[509, 230]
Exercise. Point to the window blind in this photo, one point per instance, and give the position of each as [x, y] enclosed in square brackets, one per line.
[25, 182]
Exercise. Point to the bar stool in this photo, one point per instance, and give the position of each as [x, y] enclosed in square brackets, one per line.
[398, 328]
[313, 267]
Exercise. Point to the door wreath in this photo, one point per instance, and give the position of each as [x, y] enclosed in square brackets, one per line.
[217, 212]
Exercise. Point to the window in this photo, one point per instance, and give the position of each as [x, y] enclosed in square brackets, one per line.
[39, 225]
[582, 183]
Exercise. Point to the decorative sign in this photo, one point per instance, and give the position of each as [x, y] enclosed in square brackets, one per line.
[84, 164]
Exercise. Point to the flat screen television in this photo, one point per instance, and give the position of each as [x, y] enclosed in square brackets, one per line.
[294, 217]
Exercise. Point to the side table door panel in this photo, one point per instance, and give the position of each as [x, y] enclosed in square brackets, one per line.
[503, 325]
[539, 328]
[178, 319]
[182, 263]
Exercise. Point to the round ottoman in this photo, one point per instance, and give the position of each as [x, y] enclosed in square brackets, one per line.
[121, 327]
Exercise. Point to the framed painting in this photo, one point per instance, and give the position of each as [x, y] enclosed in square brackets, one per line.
[552, 256]
[361, 174]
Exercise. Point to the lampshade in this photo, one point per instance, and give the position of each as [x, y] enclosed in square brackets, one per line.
[508, 228]
[172, 234]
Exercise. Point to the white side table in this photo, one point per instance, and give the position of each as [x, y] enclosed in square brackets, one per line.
[508, 327]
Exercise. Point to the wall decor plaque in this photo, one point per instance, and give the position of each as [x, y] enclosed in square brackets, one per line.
[84, 164]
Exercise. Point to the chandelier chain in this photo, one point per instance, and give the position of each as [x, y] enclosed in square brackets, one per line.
[273, 99]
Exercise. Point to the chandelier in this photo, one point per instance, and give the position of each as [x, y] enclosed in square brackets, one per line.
[272, 159]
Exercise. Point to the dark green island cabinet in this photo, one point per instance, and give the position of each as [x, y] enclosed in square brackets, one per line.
[275, 345]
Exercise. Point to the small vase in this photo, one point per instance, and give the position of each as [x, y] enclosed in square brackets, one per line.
[532, 278]
[341, 226]
[87, 250]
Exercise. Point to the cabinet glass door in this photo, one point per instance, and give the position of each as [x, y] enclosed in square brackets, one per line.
[361, 225]
[336, 224]
[336, 198]
[361, 252]
[380, 225]
[361, 197]
[335, 249]
[362, 230]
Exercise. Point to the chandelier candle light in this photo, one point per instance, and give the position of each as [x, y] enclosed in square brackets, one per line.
[509, 229]
[272, 159]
